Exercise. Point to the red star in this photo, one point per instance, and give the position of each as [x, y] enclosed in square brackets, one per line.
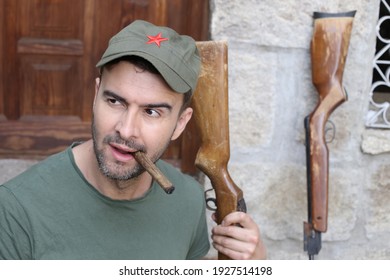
[156, 39]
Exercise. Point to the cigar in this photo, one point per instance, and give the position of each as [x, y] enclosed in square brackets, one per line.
[152, 169]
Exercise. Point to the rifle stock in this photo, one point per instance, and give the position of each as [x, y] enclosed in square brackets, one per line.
[211, 115]
[329, 48]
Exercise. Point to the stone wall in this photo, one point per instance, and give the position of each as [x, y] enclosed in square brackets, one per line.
[270, 93]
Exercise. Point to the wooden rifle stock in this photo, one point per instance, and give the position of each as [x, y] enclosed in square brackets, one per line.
[329, 48]
[211, 115]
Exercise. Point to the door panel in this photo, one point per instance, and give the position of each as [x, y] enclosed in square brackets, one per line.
[48, 52]
[46, 58]
[42, 77]
[1, 60]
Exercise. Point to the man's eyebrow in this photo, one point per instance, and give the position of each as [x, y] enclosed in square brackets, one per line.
[108, 93]
[158, 105]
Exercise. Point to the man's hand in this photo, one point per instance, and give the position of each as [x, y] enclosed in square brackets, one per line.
[241, 242]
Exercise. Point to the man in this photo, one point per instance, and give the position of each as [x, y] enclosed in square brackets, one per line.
[94, 200]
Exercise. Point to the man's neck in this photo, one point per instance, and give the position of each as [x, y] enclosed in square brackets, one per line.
[115, 189]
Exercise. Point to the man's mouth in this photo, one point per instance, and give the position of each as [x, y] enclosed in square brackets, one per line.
[122, 153]
[122, 148]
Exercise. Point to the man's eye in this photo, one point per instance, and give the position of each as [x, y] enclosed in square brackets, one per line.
[113, 101]
[152, 113]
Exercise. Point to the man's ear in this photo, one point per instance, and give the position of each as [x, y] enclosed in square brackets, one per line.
[184, 118]
[97, 85]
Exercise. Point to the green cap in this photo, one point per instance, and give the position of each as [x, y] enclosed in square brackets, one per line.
[174, 56]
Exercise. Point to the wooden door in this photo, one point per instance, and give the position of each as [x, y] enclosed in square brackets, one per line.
[48, 52]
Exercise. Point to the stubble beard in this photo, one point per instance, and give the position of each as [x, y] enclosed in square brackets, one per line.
[117, 170]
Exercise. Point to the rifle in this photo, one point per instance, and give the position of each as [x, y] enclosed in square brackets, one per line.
[329, 48]
[211, 115]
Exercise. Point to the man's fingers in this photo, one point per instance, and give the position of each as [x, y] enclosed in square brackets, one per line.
[239, 218]
[238, 242]
[233, 248]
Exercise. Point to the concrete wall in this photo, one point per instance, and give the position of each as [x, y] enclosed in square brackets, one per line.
[271, 92]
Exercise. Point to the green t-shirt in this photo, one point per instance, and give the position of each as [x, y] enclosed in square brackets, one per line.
[52, 212]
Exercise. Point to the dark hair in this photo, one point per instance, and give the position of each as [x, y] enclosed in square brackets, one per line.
[143, 65]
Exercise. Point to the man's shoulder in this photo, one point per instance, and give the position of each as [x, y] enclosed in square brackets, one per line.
[47, 168]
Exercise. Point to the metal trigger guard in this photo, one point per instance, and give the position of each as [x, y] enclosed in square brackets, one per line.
[330, 129]
[212, 200]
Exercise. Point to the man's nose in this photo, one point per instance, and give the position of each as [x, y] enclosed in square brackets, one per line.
[128, 125]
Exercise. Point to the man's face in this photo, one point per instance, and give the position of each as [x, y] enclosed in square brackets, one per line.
[133, 110]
